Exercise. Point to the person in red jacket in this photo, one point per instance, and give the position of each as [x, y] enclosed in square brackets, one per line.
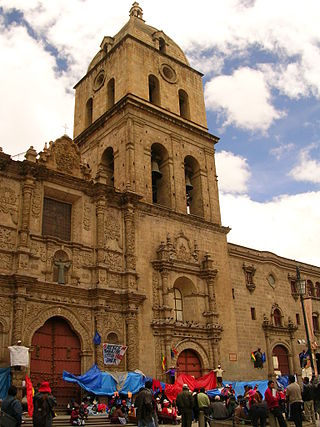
[272, 398]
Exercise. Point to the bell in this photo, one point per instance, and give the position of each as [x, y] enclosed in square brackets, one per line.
[156, 174]
[189, 186]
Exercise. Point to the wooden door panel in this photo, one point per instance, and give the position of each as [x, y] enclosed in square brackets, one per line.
[56, 348]
[189, 363]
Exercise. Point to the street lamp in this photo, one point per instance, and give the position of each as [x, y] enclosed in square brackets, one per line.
[301, 289]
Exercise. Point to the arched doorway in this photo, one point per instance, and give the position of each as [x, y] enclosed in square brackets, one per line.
[55, 348]
[189, 363]
[281, 353]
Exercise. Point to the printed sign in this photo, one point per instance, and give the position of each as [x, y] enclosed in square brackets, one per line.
[113, 353]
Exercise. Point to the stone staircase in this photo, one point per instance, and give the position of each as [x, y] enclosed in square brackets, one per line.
[62, 420]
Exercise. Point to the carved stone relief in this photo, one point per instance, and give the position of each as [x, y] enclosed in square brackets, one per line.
[87, 216]
[155, 289]
[8, 201]
[36, 200]
[7, 238]
[112, 230]
[114, 280]
[6, 261]
[113, 260]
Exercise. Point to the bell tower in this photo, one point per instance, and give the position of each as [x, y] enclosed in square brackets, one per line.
[140, 121]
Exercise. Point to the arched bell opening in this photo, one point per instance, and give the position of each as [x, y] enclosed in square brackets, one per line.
[106, 166]
[194, 202]
[160, 175]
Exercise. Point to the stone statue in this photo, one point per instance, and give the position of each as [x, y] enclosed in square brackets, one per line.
[62, 265]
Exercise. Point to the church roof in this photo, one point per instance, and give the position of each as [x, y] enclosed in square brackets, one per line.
[137, 28]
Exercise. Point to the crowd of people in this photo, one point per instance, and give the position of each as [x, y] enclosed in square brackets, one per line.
[151, 408]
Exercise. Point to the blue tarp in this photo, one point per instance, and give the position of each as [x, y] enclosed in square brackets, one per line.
[103, 384]
[238, 386]
[5, 381]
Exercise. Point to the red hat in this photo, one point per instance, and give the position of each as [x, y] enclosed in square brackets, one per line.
[45, 387]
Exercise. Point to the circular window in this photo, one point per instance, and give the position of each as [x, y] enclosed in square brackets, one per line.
[271, 280]
[99, 80]
[168, 73]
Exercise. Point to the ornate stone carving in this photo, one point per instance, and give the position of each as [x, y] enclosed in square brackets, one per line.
[8, 201]
[36, 200]
[7, 238]
[86, 216]
[180, 250]
[114, 280]
[6, 261]
[62, 155]
[38, 250]
[113, 260]
[112, 230]
[155, 289]
[249, 272]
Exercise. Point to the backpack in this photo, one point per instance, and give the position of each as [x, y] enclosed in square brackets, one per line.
[41, 411]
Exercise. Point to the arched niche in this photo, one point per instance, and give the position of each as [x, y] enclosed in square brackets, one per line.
[189, 303]
[89, 112]
[106, 166]
[193, 187]
[160, 175]
[111, 93]
[154, 89]
[184, 107]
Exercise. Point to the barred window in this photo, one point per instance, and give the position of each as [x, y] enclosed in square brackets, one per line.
[56, 220]
[178, 305]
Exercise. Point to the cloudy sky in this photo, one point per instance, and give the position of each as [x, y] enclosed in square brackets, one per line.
[261, 60]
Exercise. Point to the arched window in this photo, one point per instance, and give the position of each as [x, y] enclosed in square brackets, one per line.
[106, 167]
[317, 289]
[110, 93]
[315, 322]
[154, 90]
[160, 175]
[112, 338]
[309, 289]
[162, 45]
[89, 110]
[293, 287]
[184, 104]
[277, 318]
[178, 305]
[194, 203]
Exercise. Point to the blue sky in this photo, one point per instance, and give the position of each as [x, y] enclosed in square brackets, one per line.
[261, 61]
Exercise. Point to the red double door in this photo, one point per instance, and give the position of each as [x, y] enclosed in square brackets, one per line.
[55, 348]
[188, 363]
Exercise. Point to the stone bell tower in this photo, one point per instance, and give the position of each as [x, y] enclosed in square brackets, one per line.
[140, 123]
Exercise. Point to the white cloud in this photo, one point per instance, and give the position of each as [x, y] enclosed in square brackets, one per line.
[233, 173]
[34, 104]
[278, 226]
[243, 98]
[307, 169]
[278, 152]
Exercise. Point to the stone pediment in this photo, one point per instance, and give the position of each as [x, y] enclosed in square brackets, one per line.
[178, 249]
[63, 155]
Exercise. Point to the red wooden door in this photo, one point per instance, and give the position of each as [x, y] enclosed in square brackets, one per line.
[189, 363]
[56, 348]
[282, 354]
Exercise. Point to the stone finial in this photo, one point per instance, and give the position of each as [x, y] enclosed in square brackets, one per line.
[136, 11]
[31, 154]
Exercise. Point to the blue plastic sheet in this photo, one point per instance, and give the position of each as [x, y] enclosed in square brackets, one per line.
[238, 386]
[103, 384]
[5, 381]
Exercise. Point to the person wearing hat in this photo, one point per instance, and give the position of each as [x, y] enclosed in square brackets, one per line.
[219, 372]
[185, 404]
[11, 407]
[43, 406]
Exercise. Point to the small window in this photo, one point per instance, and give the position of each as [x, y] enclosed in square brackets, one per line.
[184, 104]
[233, 294]
[293, 287]
[162, 45]
[253, 313]
[56, 220]
[271, 280]
[154, 90]
[315, 322]
[298, 318]
[309, 289]
[317, 289]
[89, 112]
[178, 305]
[110, 93]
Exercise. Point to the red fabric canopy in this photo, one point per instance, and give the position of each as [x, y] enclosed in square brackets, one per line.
[207, 381]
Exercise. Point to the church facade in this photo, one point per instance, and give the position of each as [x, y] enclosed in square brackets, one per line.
[118, 231]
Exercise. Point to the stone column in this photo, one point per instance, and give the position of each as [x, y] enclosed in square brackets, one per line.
[27, 191]
[18, 316]
[99, 326]
[130, 167]
[130, 238]
[269, 356]
[132, 339]
[100, 209]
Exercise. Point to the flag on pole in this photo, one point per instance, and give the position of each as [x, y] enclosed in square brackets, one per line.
[30, 393]
[163, 362]
[174, 352]
[253, 357]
